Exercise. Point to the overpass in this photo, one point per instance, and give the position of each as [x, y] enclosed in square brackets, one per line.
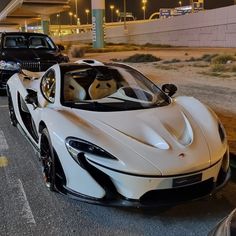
[211, 28]
[15, 13]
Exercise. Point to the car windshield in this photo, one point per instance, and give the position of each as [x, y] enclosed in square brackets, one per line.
[28, 41]
[110, 87]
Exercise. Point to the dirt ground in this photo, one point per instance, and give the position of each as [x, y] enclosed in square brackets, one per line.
[192, 78]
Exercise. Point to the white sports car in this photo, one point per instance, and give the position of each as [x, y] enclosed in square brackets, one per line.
[106, 134]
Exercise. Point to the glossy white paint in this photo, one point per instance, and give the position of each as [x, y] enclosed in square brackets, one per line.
[158, 143]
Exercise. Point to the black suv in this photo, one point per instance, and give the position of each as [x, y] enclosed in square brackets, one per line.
[30, 51]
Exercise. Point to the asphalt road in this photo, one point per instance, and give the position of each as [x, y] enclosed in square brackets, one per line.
[28, 208]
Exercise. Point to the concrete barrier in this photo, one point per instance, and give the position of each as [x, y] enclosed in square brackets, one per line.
[210, 28]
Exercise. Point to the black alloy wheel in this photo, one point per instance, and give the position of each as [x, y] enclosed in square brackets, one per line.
[12, 114]
[47, 160]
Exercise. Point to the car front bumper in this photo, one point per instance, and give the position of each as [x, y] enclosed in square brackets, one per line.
[162, 193]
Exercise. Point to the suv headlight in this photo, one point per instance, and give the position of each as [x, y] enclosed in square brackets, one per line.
[9, 65]
[77, 147]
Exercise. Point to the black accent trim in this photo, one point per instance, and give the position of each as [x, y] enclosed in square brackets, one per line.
[146, 203]
[27, 119]
[101, 178]
[152, 176]
[27, 138]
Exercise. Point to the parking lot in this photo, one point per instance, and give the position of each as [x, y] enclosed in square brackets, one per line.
[28, 208]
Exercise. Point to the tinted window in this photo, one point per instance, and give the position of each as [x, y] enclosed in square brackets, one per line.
[40, 42]
[22, 41]
[15, 41]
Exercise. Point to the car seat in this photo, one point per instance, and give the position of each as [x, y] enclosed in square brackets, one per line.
[102, 86]
[73, 91]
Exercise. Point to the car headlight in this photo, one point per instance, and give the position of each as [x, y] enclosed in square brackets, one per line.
[222, 133]
[78, 147]
[9, 65]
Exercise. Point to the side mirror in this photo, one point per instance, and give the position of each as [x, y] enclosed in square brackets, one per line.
[169, 89]
[61, 47]
[32, 98]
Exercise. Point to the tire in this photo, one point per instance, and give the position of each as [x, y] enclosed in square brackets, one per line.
[47, 160]
[12, 114]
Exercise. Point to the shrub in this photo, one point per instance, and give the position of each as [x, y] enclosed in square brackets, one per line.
[192, 59]
[77, 51]
[218, 68]
[223, 59]
[136, 58]
[172, 61]
[208, 57]
[233, 68]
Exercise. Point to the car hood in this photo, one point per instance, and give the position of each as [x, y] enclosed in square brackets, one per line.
[167, 137]
[30, 54]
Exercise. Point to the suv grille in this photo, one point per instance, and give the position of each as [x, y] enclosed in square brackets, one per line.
[37, 66]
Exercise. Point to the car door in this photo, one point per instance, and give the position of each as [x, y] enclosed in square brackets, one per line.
[34, 103]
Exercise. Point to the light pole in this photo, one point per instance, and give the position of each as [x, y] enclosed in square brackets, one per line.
[76, 8]
[125, 26]
[59, 24]
[144, 12]
[180, 3]
[144, 8]
[112, 8]
[87, 13]
[117, 14]
[70, 14]
[75, 16]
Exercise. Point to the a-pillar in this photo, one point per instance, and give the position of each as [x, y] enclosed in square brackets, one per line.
[98, 19]
[45, 22]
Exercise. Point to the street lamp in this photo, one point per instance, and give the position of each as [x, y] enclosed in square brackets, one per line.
[144, 12]
[75, 17]
[112, 8]
[117, 14]
[144, 8]
[70, 14]
[59, 24]
[125, 26]
[87, 13]
[76, 8]
[180, 3]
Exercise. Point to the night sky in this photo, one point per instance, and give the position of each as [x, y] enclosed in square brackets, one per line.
[135, 6]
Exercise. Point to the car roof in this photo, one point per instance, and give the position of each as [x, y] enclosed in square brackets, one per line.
[24, 33]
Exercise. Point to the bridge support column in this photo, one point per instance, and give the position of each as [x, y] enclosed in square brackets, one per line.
[98, 19]
[45, 22]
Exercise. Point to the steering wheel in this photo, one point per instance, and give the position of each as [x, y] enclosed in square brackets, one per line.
[136, 93]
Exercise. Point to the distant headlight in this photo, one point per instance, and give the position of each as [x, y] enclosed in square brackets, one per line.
[222, 133]
[77, 147]
[10, 65]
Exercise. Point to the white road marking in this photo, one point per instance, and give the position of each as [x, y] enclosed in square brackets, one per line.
[3, 141]
[26, 210]
[3, 106]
